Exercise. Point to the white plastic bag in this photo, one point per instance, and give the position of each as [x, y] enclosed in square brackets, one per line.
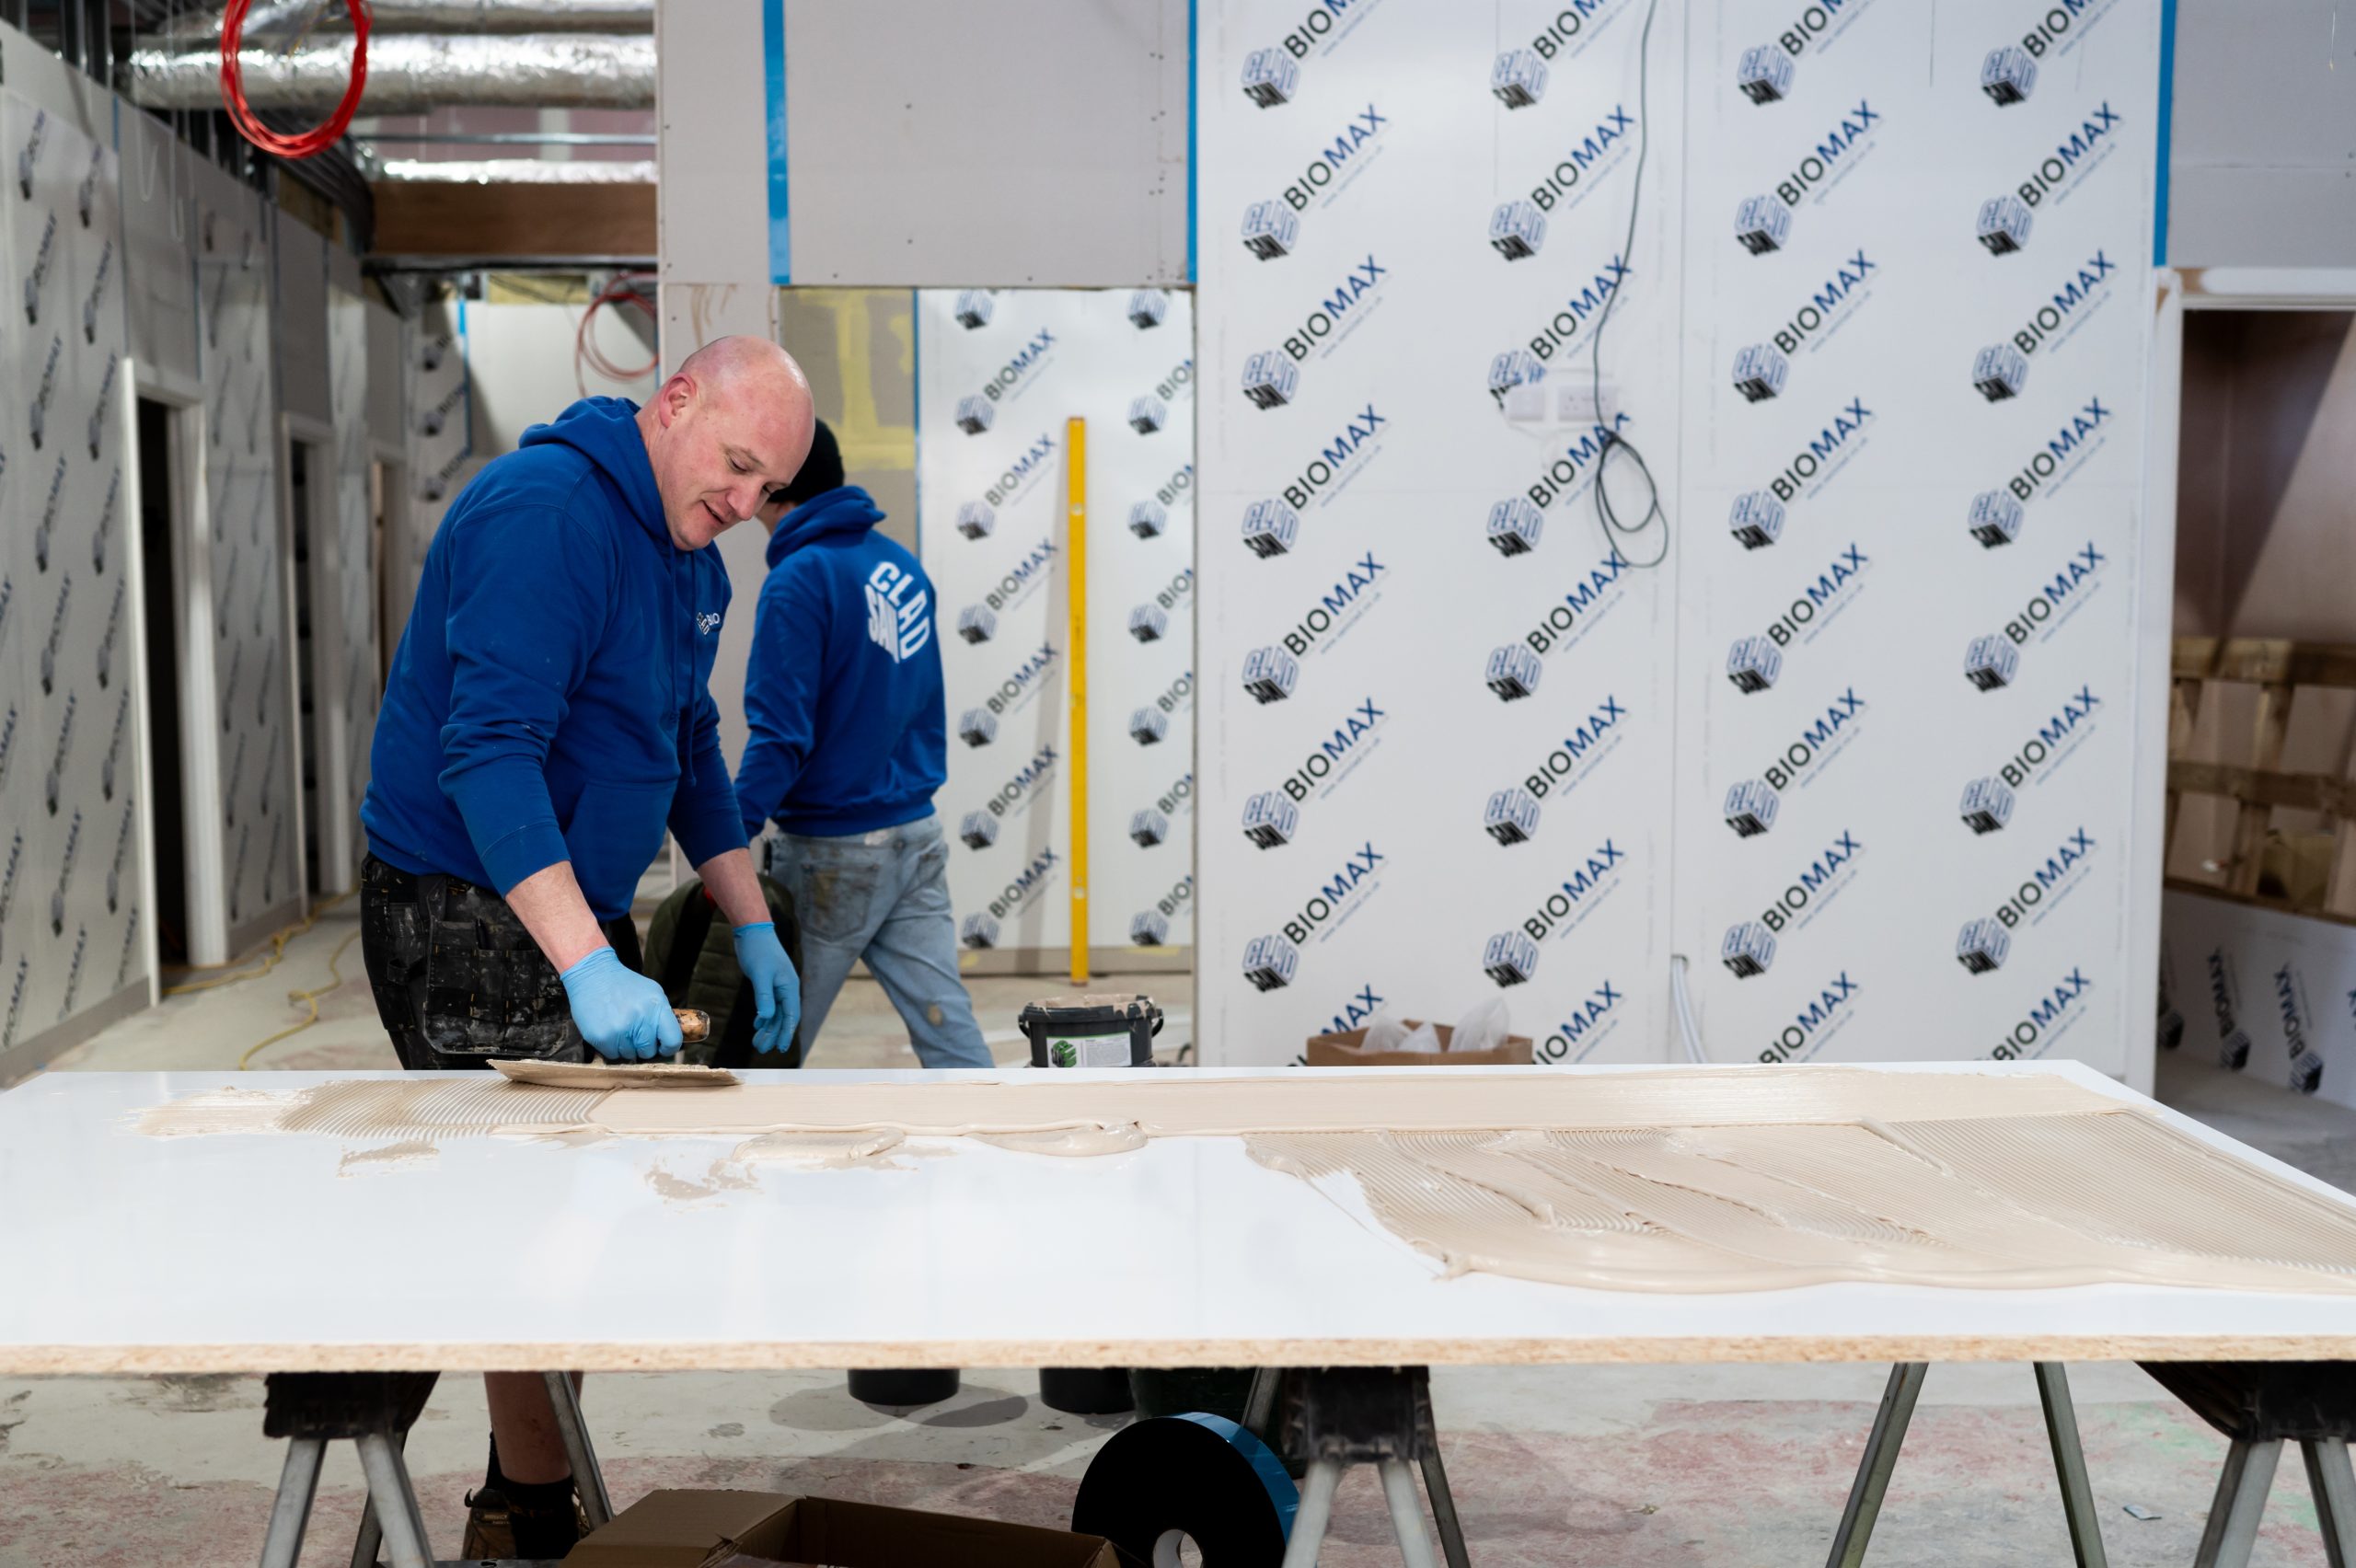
[1425, 1038]
[1384, 1032]
[1482, 1028]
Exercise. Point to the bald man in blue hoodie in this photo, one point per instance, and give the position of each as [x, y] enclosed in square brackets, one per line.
[545, 721]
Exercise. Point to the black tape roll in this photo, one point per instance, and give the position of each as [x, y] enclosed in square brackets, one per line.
[1201, 1474]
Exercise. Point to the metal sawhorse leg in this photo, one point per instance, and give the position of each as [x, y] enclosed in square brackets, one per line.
[2258, 1406]
[2240, 1501]
[1338, 1416]
[375, 1411]
[1889, 1433]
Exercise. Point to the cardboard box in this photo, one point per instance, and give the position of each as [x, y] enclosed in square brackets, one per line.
[696, 1530]
[1348, 1050]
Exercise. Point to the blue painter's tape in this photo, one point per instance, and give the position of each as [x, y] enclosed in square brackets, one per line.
[2168, 113]
[915, 405]
[1190, 138]
[780, 208]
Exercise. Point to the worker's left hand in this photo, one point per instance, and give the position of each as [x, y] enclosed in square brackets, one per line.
[777, 989]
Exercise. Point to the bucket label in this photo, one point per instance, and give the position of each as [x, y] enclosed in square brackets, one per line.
[1092, 1051]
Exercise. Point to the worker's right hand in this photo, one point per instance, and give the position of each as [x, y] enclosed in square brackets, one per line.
[624, 1016]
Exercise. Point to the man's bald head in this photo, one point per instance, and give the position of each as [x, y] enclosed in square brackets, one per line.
[731, 425]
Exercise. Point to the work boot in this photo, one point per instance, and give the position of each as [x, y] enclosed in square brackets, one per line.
[491, 1527]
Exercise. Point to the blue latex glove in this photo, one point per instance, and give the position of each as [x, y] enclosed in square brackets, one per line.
[777, 989]
[624, 1016]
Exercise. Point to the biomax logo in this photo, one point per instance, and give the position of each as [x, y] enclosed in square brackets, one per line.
[2050, 607]
[2060, 22]
[1355, 1013]
[1818, 884]
[1024, 578]
[2224, 1000]
[1811, 610]
[1826, 453]
[1020, 374]
[1580, 311]
[1606, 144]
[1019, 789]
[1817, 26]
[1815, 1023]
[1178, 695]
[2050, 882]
[1181, 893]
[1590, 598]
[1338, 164]
[1024, 472]
[1325, 26]
[1568, 35]
[2053, 741]
[2291, 996]
[2080, 437]
[1351, 887]
[1593, 879]
[1028, 884]
[1832, 307]
[1338, 756]
[2085, 290]
[1827, 164]
[1823, 739]
[1576, 1036]
[2053, 1015]
[1179, 796]
[1017, 690]
[1340, 461]
[1575, 468]
[1340, 608]
[1591, 740]
[1336, 315]
[2067, 167]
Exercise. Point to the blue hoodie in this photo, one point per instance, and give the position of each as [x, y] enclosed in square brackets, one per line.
[548, 700]
[843, 692]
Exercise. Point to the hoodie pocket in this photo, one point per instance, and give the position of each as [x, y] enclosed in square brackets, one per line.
[613, 834]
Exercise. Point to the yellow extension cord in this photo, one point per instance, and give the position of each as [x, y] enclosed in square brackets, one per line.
[310, 999]
[277, 950]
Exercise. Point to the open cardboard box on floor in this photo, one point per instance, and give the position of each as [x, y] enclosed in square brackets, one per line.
[1347, 1049]
[698, 1529]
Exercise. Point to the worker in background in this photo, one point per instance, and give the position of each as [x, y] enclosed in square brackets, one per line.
[545, 720]
[849, 740]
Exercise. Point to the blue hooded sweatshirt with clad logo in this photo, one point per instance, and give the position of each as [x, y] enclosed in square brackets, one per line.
[548, 699]
[849, 733]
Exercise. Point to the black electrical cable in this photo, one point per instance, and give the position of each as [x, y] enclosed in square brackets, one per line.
[1614, 530]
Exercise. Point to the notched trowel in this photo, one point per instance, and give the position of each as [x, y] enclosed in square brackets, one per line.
[694, 1025]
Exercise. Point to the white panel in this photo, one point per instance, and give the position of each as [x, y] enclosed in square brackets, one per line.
[70, 890]
[2261, 992]
[994, 537]
[1355, 316]
[1034, 142]
[711, 213]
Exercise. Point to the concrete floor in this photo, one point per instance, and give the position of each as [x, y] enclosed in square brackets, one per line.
[1661, 1467]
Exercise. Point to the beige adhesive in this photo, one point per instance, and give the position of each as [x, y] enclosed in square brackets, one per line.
[820, 1151]
[389, 1157]
[1069, 1142]
[615, 1075]
[2027, 1202]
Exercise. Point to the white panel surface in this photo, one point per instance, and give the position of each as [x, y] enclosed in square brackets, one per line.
[284, 1256]
[997, 375]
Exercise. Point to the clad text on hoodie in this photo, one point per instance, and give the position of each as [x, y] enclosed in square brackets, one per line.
[548, 699]
[843, 691]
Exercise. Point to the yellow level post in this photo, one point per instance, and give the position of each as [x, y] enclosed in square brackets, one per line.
[1076, 662]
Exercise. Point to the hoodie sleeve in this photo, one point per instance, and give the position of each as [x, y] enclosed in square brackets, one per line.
[790, 637]
[703, 811]
[530, 598]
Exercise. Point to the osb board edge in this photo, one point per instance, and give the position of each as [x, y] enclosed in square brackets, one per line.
[34, 1361]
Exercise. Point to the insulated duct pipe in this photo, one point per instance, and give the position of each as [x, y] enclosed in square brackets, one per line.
[271, 19]
[414, 73]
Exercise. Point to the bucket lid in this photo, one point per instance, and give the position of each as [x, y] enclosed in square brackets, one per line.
[1066, 1013]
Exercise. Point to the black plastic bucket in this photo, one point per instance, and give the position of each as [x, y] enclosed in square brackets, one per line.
[1092, 1031]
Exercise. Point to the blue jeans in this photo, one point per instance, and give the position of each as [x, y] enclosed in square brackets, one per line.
[883, 896]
